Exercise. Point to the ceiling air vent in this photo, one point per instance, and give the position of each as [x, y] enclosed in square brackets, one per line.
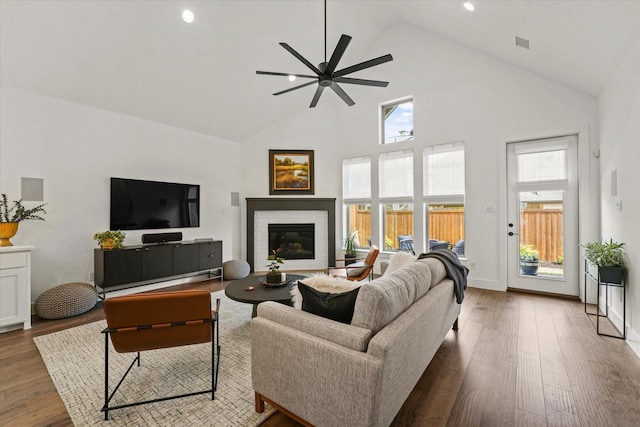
[523, 43]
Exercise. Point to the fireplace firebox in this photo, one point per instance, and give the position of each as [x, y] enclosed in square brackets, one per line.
[292, 241]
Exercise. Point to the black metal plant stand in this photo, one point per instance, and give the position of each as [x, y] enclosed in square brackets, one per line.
[587, 275]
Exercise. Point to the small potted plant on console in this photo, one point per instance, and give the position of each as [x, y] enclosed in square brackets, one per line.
[110, 239]
[274, 275]
[609, 257]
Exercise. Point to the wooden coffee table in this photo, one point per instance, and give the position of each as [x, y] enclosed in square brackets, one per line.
[238, 291]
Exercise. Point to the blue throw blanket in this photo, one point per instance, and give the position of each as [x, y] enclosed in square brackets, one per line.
[455, 271]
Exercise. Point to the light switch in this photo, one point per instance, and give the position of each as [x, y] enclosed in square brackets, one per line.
[619, 205]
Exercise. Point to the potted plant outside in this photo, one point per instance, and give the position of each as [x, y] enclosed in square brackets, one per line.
[11, 216]
[529, 260]
[274, 275]
[350, 246]
[609, 257]
[110, 239]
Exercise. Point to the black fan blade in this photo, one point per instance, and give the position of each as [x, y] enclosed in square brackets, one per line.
[337, 53]
[316, 97]
[363, 65]
[341, 93]
[364, 82]
[294, 88]
[301, 58]
[271, 73]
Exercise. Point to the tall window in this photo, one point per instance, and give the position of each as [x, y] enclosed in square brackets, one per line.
[397, 121]
[356, 195]
[396, 198]
[443, 177]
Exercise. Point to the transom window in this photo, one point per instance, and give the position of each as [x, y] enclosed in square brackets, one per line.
[548, 163]
[397, 121]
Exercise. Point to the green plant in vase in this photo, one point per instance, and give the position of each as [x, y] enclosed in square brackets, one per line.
[350, 246]
[274, 275]
[609, 257]
[11, 214]
[110, 239]
[529, 260]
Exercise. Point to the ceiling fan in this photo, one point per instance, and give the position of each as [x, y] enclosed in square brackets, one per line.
[326, 74]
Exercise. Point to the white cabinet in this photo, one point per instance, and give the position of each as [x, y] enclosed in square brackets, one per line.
[15, 287]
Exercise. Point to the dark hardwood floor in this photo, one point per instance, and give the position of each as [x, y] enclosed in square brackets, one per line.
[517, 360]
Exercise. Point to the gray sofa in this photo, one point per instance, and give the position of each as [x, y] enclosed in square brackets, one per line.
[327, 373]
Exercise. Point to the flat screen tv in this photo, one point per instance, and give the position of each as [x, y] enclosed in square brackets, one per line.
[145, 205]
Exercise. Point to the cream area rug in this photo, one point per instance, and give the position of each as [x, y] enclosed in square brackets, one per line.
[75, 361]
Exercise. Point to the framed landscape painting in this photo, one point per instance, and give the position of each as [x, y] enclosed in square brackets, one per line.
[290, 172]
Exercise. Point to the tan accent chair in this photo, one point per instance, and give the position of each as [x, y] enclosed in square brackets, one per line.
[357, 272]
[152, 321]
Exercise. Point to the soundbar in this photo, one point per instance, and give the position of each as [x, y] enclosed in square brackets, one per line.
[162, 237]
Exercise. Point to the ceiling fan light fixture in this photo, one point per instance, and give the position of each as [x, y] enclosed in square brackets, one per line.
[292, 77]
[469, 6]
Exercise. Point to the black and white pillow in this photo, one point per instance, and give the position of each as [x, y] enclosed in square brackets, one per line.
[338, 307]
[326, 296]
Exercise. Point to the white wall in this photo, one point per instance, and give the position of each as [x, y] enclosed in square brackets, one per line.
[76, 149]
[619, 105]
[459, 95]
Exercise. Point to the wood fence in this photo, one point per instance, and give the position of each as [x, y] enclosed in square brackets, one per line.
[446, 225]
[540, 227]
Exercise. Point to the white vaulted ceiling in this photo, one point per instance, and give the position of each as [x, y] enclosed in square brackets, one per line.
[139, 58]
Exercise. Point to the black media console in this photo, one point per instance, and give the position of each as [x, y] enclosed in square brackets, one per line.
[141, 265]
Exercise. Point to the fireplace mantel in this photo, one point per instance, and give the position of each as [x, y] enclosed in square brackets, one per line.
[292, 204]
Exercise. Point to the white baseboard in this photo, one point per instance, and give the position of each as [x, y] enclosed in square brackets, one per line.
[491, 285]
[633, 340]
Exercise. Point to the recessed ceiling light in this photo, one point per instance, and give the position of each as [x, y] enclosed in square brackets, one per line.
[469, 6]
[187, 16]
[291, 78]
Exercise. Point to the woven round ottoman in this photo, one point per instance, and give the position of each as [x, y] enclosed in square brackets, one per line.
[236, 269]
[66, 300]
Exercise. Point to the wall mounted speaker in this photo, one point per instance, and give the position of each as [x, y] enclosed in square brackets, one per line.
[235, 198]
[32, 189]
[162, 237]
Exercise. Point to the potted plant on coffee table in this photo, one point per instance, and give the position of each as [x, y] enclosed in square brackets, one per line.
[529, 260]
[274, 275]
[11, 216]
[609, 257]
[110, 239]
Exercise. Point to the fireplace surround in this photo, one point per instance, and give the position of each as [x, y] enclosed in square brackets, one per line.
[303, 207]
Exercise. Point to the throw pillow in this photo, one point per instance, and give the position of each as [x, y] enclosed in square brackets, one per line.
[338, 307]
[399, 260]
[356, 269]
[323, 283]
